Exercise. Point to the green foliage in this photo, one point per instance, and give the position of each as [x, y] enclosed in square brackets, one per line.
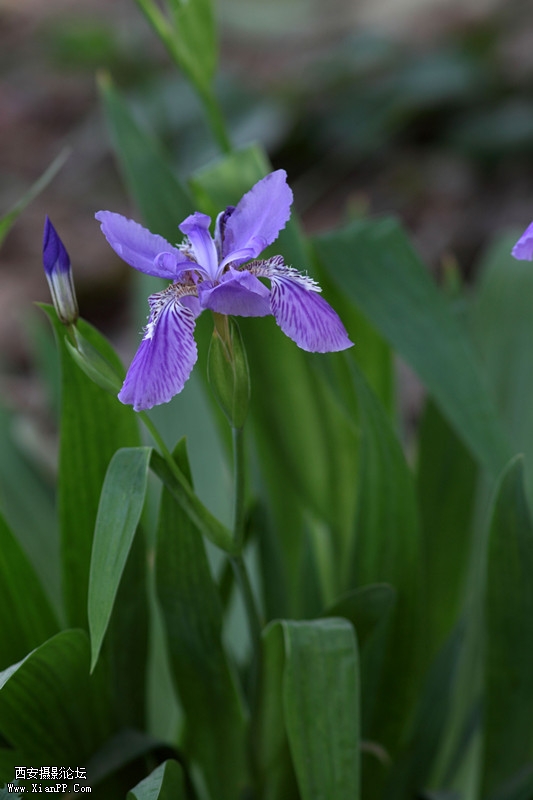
[372, 640]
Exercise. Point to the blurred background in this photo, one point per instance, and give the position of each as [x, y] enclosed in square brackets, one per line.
[421, 108]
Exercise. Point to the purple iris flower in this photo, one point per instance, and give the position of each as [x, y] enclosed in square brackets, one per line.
[223, 275]
[523, 249]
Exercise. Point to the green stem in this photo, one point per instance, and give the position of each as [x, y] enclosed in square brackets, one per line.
[238, 489]
[166, 33]
[215, 119]
[239, 567]
[158, 439]
[254, 622]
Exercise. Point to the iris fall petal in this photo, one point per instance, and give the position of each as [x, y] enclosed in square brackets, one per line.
[165, 357]
[306, 318]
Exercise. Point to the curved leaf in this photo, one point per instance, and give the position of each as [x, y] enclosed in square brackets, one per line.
[119, 512]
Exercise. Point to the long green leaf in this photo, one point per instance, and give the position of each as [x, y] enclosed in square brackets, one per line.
[508, 722]
[164, 783]
[119, 512]
[26, 618]
[320, 706]
[215, 717]
[375, 265]
[446, 489]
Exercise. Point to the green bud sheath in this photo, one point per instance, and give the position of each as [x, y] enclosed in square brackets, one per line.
[93, 363]
[227, 370]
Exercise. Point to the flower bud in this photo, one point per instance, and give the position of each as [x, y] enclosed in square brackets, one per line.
[59, 275]
[227, 370]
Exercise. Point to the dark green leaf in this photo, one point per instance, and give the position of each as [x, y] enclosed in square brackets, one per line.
[508, 722]
[413, 768]
[49, 713]
[446, 488]
[26, 618]
[367, 608]
[519, 787]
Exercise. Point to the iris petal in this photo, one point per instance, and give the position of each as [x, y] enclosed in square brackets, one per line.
[140, 248]
[196, 227]
[257, 219]
[305, 317]
[239, 294]
[165, 357]
[523, 249]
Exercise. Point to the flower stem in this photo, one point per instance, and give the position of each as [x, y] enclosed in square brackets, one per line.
[252, 615]
[158, 439]
[238, 489]
[238, 564]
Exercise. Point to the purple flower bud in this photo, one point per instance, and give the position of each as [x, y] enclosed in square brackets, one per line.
[59, 275]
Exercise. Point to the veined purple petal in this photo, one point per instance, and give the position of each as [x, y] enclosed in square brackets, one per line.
[239, 294]
[305, 317]
[196, 227]
[257, 219]
[165, 357]
[523, 249]
[140, 248]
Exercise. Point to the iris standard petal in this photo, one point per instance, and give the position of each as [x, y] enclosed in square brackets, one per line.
[257, 219]
[140, 248]
[305, 317]
[523, 249]
[165, 357]
[196, 227]
[239, 294]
